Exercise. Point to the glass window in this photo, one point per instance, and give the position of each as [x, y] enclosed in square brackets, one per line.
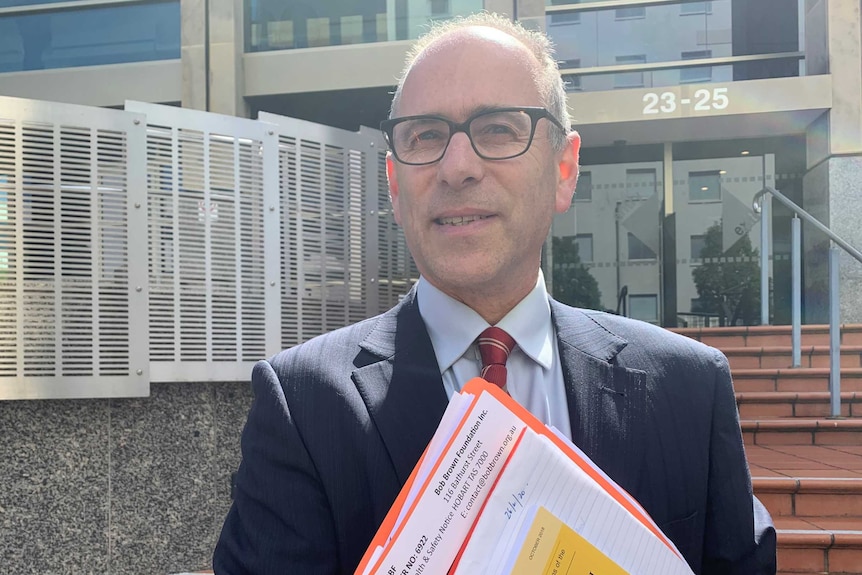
[728, 28]
[697, 73]
[566, 17]
[585, 247]
[630, 79]
[584, 189]
[572, 81]
[704, 186]
[640, 183]
[288, 24]
[639, 250]
[696, 8]
[439, 7]
[644, 307]
[90, 36]
[697, 245]
[629, 13]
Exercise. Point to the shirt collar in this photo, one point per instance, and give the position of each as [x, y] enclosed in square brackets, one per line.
[454, 327]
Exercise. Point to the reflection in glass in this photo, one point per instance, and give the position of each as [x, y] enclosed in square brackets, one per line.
[638, 250]
[674, 32]
[712, 236]
[698, 243]
[704, 186]
[585, 247]
[91, 36]
[287, 24]
[728, 281]
[629, 79]
[697, 74]
[627, 13]
[572, 281]
[584, 189]
[644, 307]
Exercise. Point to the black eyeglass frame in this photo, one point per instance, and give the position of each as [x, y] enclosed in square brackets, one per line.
[535, 113]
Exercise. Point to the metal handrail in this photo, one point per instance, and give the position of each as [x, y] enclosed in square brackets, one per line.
[796, 329]
[807, 217]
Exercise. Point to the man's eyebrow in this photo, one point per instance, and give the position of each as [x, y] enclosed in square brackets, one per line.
[472, 112]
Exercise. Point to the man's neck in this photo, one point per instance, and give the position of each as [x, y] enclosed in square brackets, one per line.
[491, 304]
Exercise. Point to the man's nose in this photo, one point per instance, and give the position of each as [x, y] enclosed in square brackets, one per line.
[460, 165]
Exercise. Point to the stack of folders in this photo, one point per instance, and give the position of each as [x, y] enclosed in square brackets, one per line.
[497, 492]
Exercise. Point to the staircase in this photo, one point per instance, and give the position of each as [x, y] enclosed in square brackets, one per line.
[806, 467]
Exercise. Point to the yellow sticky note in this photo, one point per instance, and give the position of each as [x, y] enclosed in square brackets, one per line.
[553, 548]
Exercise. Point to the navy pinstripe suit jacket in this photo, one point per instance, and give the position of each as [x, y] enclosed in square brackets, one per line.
[338, 423]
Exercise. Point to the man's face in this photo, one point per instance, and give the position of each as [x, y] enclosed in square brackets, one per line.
[476, 227]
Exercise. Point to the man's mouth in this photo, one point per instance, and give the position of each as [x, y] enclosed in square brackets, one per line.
[459, 220]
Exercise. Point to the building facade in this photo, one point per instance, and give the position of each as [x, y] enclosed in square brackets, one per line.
[687, 110]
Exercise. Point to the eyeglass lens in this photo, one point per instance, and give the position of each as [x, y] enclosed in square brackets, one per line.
[495, 135]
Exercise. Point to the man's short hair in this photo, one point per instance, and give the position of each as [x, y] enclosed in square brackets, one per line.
[547, 76]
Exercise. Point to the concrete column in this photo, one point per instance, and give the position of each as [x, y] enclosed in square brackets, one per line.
[832, 187]
[213, 79]
[193, 54]
[227, 88]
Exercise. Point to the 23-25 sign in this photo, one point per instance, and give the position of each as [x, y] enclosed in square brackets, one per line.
[667, 103]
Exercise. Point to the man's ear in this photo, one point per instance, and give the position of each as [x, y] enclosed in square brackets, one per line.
[568, 172]
[392, 178]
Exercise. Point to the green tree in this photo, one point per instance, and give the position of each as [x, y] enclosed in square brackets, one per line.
[573, 283]
[728, 283]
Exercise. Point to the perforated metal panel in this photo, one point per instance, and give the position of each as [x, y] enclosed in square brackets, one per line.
[71, 252]
[336, 241]
[397, 271]
[213, 234]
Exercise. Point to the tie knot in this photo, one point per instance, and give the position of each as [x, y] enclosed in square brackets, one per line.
[495, 345]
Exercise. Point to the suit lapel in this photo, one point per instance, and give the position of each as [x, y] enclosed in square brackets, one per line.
[402, 388]
[603, 397]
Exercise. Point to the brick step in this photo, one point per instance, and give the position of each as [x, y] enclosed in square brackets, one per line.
[770, 335]
[802, 431]
[782, 356]
[794, 379]
[811, 497]
[832, 546]
[805, 461]
[769, 404]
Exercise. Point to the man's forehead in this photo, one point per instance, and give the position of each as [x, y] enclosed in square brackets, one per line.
[470, 69]
[447, 48]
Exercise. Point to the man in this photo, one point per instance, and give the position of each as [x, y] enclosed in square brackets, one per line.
[481, 158]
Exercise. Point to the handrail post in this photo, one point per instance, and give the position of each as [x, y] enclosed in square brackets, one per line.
[834, 333]
[764, 260]
[796, 290]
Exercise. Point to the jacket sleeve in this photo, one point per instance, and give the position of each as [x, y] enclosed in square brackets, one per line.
[280, 520]
[739, 535]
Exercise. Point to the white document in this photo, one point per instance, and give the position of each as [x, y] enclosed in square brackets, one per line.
[540, 474]
[445, 504]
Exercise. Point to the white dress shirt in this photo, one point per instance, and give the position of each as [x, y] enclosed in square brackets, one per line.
[535, 376]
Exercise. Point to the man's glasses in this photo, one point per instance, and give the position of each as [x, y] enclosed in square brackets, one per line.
[497, 134]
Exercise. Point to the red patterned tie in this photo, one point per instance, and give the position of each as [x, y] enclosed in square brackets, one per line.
[495, 345]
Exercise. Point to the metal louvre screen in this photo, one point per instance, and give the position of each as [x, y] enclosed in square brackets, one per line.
[69, 240]
[330, 181]
[165, 244]
[397, 270]
[213, 309]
